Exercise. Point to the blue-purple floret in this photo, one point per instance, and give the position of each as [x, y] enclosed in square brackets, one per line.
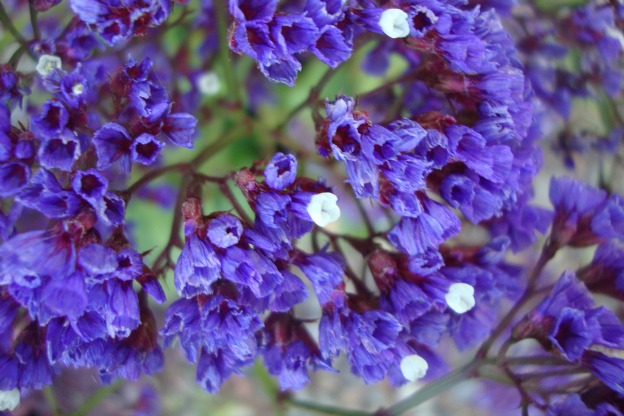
[118, 20]
[272, 39]
[81, 292]
[569, 323]
[459, 146]
[216, 333]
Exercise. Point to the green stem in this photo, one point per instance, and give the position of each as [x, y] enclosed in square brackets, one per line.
[325, 409]
[5, 20]
[152, 175]
[548, 252]
[204, 155]
[33, 19]
[367, 222]
[313, 97]
[17, 55]
[96, 398]
[221, 11]
[48, 392]
[217, 145]
[430, 390]
[433, 389]
[270, 387]
[536, 360]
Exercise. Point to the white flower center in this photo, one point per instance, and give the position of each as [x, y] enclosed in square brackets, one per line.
[209, 83]
[47, 64]
[77, 88]
[323, 208]
[9, 399]
[414, 367]
[460, 297]
[393, 22]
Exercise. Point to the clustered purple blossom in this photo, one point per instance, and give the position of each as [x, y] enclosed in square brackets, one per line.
[449, 146]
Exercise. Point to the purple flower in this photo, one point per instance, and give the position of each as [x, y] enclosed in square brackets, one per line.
[113, 209]
[65, 297]
[180, 129]
[224, 231]
[98, 261]
[294, 33]
[249, 268]
[51, 121]
[113, 144]
[609, 219]
[572, 333]
[60, 151]
[122, 313]
[28, 256]
[197, 267]
[429, 229]
[122, 19]
[289, 350]
[215, 332]
[145, 149]
[289, 364]
[575, 204]
[570, 405]
[73, 89]
[281, 172]
[90, 185]
[13, 178]
[372, 337]
[324, 271]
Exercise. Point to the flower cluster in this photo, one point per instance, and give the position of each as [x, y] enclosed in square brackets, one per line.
[230, 273]
[272, 39]
[115, 21]
[68, 269]
[438, 144]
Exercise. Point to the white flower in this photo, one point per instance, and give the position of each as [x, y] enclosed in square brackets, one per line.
[393, 22]
[414, 367]
[47, 64]
[77, 88]
[460, 297]
[9, 399]
[323, 209]
[209, 83]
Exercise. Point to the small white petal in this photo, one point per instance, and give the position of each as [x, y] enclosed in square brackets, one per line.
[460, 297]
[209, 83]
[414, 367]
[47, 64]
[616, 34]
[9, 399]
[393, 22]
[77, 88]
[323, 209]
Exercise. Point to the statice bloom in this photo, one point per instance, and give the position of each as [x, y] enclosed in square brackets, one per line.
[216, 333]
[583, 214]
[84, 296]
[119, 20]
[289, 350]
[103, 107]
[479, 164]
[605, 272]
[568, 323]
[272, 40]
[230, 265]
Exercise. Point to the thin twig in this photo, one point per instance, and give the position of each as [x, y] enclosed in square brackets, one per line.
[227, 192]
[33, 19]
[5, 20]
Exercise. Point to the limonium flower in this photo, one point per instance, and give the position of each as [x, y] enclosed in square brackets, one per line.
[306, 186]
